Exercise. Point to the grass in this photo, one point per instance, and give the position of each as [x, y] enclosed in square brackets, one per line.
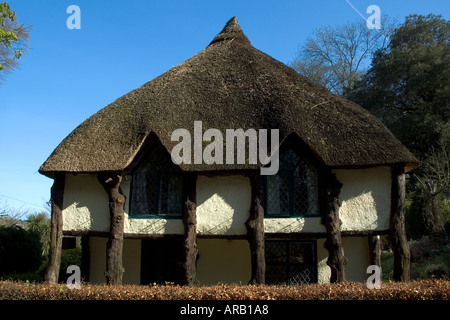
[387, 265]
[420, 268]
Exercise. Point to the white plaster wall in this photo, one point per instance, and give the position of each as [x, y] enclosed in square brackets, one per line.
[356, 250]
[153, 226]
[323, 270]
[365, 195]
[86, 208]
[148, 226]
[131, 260]
[97, 265]
[85, 204]
[366, 198]
[223, 261]
[223, 205]
[288, 225]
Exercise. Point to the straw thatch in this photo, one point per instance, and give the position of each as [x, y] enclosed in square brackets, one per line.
[229, 85]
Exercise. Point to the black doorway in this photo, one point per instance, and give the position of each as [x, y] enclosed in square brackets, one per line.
[162, 261]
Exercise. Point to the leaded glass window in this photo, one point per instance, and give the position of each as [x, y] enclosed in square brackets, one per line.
[290, 262]
[293, 191]
[156, 187]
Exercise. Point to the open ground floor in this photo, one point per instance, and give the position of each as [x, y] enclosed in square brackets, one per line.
[225, 260]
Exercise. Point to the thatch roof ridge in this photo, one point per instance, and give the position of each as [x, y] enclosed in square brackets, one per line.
[229, 85]
[231, 31]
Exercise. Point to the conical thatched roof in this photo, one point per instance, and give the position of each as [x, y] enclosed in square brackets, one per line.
[229, 85]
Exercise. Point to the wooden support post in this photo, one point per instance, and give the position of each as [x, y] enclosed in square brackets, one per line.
[190, 229]
[111, 183]
[399, 241]
[255, 230]
[374, 250]
[330, 203]
[56, 233]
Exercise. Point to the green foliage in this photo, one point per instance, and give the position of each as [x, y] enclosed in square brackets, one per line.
[41, 224]
[408, 85]
[435, 266]
[428, 261]
[13, 39]
[20, 250]
[408, 89]
[387, 265]
[436, 271]
[28, 276]
[415, 226]
[421, 249]
[7, 37]
[69, 257]
[6, 13]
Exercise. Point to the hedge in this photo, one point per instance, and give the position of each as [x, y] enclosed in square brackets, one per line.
[416, 290]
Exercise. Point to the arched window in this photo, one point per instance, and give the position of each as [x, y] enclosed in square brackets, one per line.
[156, 187]
[293, 191]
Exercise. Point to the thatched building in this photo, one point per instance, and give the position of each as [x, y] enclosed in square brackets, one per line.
[144, 219]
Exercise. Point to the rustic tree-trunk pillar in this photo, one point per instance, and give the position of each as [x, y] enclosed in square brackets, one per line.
[111, 184]
[399, 241]
[56, 233]
[374, 250]
[330, 204]
[255, 230]
[190, 229]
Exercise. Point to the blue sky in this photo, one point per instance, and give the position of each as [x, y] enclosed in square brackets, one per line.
[68, 75]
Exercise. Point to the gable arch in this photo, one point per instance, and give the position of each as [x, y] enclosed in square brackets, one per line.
[294, 190]
[156, 188]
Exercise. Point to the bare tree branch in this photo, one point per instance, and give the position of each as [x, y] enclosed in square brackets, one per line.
[336, 58]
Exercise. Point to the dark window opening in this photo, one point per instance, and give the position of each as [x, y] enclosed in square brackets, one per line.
[290, 262]
[156, 187]
[162, 261]
[293, 191]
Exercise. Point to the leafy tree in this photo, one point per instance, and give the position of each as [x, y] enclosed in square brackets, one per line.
[408, 85]
[337, 57]
[408, 89]
[13, 39]
[41, 224]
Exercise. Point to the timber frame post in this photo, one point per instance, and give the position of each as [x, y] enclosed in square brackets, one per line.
[399, 241]
[190, 229]
[114, 247]
[374, 250]
[330, 204]
[255, 229]
[56, 233]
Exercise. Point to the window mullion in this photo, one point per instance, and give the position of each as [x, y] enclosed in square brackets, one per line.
[291, 193]
[158, 195]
